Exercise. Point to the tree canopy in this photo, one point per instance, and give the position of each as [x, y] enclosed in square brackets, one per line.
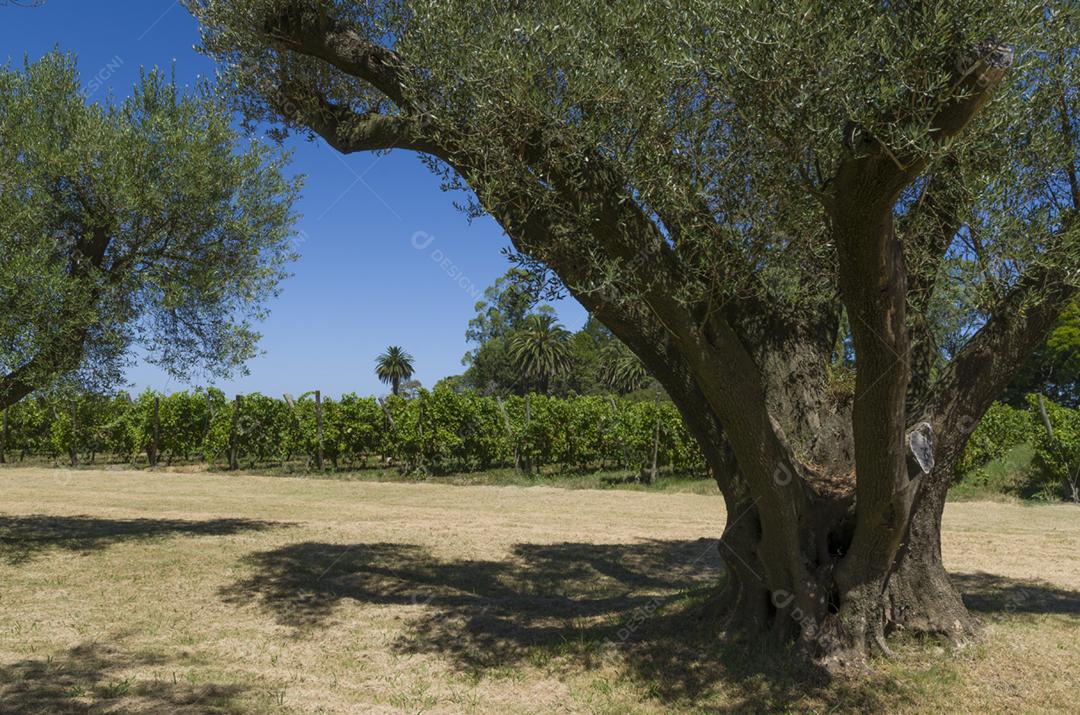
[506, 303]
[140, 224]
[591, 360]
[540, 349]
[394, 367]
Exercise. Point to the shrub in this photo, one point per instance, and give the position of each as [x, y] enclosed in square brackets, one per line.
[1001, 428]
[1057, 457]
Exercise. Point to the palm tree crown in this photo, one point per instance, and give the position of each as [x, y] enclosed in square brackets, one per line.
[394, 367]
[541, 349]
[620, 369]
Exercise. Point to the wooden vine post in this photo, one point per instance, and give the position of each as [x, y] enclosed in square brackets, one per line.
[4, 437]
[155, 436]
[318, 431]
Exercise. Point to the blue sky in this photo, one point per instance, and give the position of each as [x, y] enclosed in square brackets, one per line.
[386, 258]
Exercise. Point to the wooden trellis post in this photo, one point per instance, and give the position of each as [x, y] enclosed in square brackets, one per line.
[155, 437]
[318, 431]
[4, 437]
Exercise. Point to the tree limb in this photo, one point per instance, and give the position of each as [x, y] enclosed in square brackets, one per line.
[343, 49]
[992, 357]
[348, 131]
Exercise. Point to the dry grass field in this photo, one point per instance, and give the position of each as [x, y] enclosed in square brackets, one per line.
[126, 592]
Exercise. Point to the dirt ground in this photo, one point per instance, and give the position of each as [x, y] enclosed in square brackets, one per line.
[140, 592]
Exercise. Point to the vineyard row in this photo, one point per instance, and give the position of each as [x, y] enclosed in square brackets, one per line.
[441, 430]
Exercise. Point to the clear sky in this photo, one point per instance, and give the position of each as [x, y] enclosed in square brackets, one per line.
[386, 258]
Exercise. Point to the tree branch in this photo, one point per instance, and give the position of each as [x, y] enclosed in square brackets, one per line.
[927, 230]
[885, 173]
[63, 354]
[873, 282]
[343, 49]
[992, 357]
[1069, 136]
[348, 131]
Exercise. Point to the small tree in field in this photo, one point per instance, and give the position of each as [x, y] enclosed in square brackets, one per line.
[139, 224]
[724, 184]
[394, 367]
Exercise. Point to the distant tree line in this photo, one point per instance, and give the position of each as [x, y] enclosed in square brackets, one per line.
[519, 346]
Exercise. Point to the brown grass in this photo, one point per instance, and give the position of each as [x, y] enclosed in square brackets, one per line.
[184, 593]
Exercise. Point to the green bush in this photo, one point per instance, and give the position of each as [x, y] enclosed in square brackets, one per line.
[1057, 458]
[1012, 452]
[29, 430]
[357, 428]
[184, 419]
[1001, 428]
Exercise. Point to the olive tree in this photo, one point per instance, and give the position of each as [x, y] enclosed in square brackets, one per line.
[723, 184]
[137, 224]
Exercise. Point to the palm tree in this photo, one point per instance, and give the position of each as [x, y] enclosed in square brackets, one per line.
[541, 349]
[394, 367]
[620, 369]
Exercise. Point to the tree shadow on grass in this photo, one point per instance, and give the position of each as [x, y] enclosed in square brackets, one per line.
[528, 598]
[24, 537]
[91, 678]
[992, 595]
[635, 610]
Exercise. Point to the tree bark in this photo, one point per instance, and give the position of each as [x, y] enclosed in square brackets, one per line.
[920, 597]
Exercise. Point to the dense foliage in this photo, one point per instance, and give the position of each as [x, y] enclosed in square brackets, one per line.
[518, 346]
[1049, 463]
[1002, 428]
[1054, 368]
[441, 430]
[144, 223]
[450, 430]
[1057, 449]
